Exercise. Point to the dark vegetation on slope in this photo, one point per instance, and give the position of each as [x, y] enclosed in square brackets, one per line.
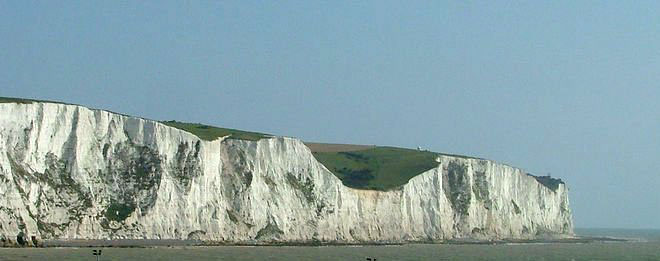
[456, 185]
[119, 212]
[207, 132]
[379, 168]
[24, 101]
[548, 182]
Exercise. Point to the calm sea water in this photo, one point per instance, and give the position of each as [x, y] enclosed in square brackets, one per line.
[645, 247]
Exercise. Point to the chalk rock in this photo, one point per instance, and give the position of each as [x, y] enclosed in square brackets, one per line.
[70, 172]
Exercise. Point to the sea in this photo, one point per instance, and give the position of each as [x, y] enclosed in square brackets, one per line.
[641, 244]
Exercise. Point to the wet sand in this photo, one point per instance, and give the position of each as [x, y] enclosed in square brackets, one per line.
[146, 243]
[512, 251]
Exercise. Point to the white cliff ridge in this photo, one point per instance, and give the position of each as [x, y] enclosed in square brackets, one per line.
[69, 172]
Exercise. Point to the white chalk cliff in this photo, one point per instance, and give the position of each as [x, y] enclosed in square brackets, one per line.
[69, 172]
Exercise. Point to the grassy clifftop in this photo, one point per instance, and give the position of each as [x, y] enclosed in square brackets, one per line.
[207, 132]
[14, 100]
[378, 168]
[548, 182]
[24, 101]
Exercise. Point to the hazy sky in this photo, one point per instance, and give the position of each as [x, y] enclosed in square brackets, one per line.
[567, 88]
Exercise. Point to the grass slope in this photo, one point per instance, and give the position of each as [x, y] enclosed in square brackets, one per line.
[377, 168]
[14, 100]
[207, 132]
[24, 101]
[548, 182]
[333, 147]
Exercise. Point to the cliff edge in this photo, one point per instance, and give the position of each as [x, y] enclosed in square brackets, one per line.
[70, 172]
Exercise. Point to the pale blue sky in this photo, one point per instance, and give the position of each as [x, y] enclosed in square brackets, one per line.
[568, 88]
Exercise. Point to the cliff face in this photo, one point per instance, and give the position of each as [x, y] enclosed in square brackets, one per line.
[69, 172]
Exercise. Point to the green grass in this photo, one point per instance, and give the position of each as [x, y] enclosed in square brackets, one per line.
[26, 101]
[15, 100]
[548, 182]
[207, 132]
[119, 212]
[378, 168]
